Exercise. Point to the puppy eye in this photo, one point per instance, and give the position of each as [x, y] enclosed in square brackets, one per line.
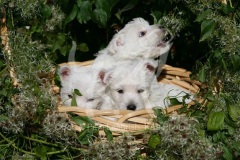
[142, 33]
[157, 58]
[90, 99]
[140, 90]
[120, 91]
[70, 96]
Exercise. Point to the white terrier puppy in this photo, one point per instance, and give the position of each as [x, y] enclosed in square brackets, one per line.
[133, 86]
[137, 40]
[161, 94]
[90, 83]
[129, 86]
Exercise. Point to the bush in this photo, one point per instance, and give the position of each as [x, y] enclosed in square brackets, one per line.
[43, 33]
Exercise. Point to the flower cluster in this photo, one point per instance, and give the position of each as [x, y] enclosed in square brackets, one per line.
[174, 22]
[58, 127]
[30, 67]
[180, 136]
[120, 148]
[56, 18]
[15, 122]
[27, 9]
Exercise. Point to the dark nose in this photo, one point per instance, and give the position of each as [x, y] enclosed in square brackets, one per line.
[131, 107]
[160, 27]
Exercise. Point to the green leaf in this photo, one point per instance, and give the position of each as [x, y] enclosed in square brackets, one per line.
[156, 16]
[1, 65]
[203, 15]
[217, 54]
[104, 5]
[112, 3]
[154, 141]
[108, 133]
[79, 3]
[72, 15]
[207, 28]
[87, 134]
[3, 93]
[231, 130]
[85, 12]
[227, 9]
[46, 11]
[235, 59]
[202, 74]
[215, 121]
[77, 92]
[3, 118]
[209, 107]
[83, 47]
[100, 17]
[174, 101]
[161, 117]
[131, 4]
[41, 152]
[210, 96]
[83, 136]
[236, 145]
[224, 63]
[219, 136]
[60, 39]
[74, 100]
[234, 112]
[63, 50]
[228, 120]
[80, 120]
[227, 153]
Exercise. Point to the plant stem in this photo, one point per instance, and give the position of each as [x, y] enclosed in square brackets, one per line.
[40, 141]
[56, 152]
[230, 2]
[10, 143]
[51, 144]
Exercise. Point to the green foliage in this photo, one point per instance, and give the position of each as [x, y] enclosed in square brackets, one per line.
[181, 137]
[46, 32]
[122, 147]
[154, 141]
[215, 121]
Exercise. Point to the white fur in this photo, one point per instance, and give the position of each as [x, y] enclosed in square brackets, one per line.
[132, 77]
[161, 92]
[129, 86]
[89, 82]
[130, 44]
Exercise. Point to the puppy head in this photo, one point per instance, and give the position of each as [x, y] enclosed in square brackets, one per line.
[139, 39]
[90, 83]
[130, 85]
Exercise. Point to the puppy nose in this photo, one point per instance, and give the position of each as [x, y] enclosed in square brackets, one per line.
[131, 107]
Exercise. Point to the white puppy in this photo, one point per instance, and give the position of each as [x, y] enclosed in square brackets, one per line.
[133, 86]
[161, 94]
[90, 83]
[137, 40]
[129, 87]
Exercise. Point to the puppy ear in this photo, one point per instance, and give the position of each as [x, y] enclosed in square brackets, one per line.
[64, 72]
[116, 43]
[104, 76]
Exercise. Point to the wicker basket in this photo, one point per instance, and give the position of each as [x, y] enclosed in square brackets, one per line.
[121, 121]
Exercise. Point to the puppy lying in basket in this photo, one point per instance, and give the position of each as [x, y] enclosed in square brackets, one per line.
[131, 86]
[122, 76]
